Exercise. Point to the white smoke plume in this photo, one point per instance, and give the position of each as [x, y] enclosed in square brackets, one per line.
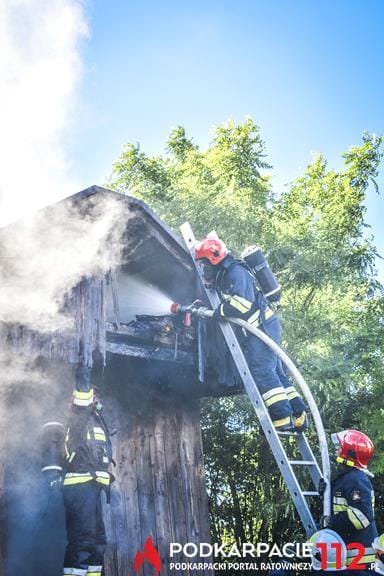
[40, 69]
[49, 253]
[44, 257]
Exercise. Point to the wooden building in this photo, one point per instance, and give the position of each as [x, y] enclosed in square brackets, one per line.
[154, 372]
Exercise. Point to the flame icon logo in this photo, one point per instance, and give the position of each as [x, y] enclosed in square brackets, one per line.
[150, 554]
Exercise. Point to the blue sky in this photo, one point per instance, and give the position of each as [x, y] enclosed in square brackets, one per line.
[309, 73]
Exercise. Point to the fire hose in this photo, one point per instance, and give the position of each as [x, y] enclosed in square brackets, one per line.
[196, 309]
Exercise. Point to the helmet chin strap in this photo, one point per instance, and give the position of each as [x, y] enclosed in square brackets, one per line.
[351, 464]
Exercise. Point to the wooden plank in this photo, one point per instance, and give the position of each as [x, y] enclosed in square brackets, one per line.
[150, 353]
[191, 464]
[175, 482]
[124, 525]
[164, 527]
[146, 494]
[159, 485]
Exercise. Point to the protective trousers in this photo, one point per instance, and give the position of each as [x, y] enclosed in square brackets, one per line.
[85, 529]
[279, 395]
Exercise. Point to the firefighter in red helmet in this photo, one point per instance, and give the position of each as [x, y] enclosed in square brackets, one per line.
[241, 298]
[353, 498]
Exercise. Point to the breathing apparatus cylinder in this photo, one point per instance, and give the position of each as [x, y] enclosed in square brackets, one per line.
[255, 260]
[52, 446]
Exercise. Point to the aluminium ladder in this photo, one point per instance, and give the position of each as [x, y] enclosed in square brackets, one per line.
[320, 477]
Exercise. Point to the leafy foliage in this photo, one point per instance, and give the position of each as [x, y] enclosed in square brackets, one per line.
[315, 236]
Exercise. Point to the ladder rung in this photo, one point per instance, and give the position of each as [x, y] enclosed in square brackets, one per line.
[286, 433]
[302, 462]
[310, 494]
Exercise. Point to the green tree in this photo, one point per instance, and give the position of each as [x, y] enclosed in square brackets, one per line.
[315, 236]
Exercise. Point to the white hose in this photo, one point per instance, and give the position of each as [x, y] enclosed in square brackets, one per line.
[296, 375]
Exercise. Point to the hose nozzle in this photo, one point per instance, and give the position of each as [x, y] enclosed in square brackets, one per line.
[195, 308]
[178, 308]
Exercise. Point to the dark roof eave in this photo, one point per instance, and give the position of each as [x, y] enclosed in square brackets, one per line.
[157, 222]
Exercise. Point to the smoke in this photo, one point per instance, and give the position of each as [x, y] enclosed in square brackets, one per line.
[144, 298]
[42, 259]
[39, 71]
[47, 255]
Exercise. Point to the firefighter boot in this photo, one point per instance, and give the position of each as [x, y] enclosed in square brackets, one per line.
[300, 422]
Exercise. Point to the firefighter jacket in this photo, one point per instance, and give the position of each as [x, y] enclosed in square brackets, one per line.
[87, 447]
[353, 512]
[241, 298]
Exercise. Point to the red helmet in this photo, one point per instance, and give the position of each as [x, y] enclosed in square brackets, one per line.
[354, 448]
[211, 248]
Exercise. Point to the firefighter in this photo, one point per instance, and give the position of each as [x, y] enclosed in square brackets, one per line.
[83, 473]
[353, 498]
[241, 299]
[88, 455]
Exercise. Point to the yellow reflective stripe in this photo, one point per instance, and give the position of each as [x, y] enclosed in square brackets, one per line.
[362, 517]
[268, 313]
[254, 318]
[277, 394]
[83, 395]
[282, 422]
[338, 500]
[363, 560]
[99, 434]
[381, 541]
[339, 508]
[275, 399]
[246, 303]
[353, 517]
[96, 436]
[345, 461]
[82, 398]
[72, 478]
[104, 481]
[292, 395]
[273, 392]
[93, 573]
[236, 301]
[238, 305]
[77, 480]
[222, 310]
[368, 550]
[71, 456]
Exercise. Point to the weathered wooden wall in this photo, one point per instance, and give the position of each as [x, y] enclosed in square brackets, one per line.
[160, 487]
[86, 306]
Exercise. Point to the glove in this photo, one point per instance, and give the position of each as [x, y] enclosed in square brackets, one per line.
[322, 486]
[197, 303]
[217, 314]
[54, 479]
[325, 521]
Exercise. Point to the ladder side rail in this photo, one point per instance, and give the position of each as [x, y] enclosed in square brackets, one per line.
[326, 466]
[257, 401]
[307, 454]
